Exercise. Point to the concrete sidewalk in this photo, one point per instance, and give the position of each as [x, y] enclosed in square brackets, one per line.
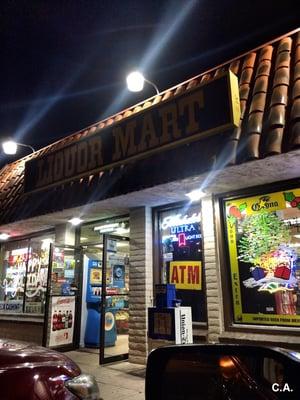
[117, 381]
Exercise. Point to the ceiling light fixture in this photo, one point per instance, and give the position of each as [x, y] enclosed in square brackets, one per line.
[107, 227]
[195, 195]
[4, 236]
[75, 221]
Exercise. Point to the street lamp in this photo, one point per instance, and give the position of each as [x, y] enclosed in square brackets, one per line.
[135, 82]
[11, 147]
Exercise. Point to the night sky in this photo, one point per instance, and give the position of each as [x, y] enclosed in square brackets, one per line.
[64, 63]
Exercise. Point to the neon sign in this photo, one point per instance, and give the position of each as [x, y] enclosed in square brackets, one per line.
[181, 240]
[179, 220]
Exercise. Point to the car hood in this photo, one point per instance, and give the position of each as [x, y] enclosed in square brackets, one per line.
[14, 354]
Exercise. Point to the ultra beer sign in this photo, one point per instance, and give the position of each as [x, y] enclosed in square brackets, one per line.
[186, 274]
[207, 109]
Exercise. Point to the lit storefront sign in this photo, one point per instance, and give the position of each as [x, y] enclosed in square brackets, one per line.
[182, 228]
[264, 256]
[207, 109]
[179, 219]
[186, 274]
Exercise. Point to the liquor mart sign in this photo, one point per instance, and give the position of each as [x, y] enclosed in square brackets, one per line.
[207, 109]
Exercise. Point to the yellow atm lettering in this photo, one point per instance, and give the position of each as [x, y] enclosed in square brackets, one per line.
[186, 274]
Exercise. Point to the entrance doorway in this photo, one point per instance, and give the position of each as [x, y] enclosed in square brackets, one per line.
[104, 311]
[63, 297]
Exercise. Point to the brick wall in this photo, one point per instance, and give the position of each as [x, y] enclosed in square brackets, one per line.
[140, 282]
[25, 331]
[212, 272]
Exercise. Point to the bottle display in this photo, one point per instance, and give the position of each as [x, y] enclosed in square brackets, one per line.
[54, 321]
[62, 320]
[70, 320]
[66, 320]
[62, 326]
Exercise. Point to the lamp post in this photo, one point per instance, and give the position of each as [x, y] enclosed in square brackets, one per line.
[135, 82]
[10, 147]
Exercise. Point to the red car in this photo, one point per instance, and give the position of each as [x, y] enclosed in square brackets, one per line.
[29, 372]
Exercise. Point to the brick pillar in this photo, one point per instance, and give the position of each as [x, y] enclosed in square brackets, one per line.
[212, 272]
[140, 282]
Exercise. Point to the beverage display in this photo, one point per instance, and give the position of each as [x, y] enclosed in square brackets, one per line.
[62, 327]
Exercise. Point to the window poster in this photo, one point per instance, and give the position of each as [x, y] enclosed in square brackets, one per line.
[62, 320]
[263, 235]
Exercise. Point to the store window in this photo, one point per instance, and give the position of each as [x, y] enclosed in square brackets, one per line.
[92, 233]
[263, 236]
[23, 275]
[181, 257]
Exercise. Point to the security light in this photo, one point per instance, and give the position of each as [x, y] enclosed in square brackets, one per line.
[75, 221]
[10, 147]
[135, 82]
[195, 195]
[4, 236]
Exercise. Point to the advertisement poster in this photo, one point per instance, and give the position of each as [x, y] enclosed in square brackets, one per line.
[263, 235]
[62, 320]
[95, 276]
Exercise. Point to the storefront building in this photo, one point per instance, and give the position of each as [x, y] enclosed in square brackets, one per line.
[234, 256]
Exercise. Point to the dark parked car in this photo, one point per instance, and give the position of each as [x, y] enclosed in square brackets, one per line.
[29, 372]
[223, 372]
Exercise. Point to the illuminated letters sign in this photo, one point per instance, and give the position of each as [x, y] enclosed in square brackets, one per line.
[186, 274]
[176, 220]
[207, 109]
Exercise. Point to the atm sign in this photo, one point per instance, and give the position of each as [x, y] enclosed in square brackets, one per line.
[186, 274]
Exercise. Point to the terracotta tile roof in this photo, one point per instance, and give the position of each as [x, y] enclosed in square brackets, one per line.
[269, 83]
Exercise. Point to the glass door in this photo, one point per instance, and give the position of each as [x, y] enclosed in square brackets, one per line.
[114, 305]
[63, 302]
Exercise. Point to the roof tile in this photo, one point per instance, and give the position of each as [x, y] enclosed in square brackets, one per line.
[253, 146]
[249, 60]
[258, 102]
[246, 76]
[255, 122]
[266, 53]
[282, 77]
[285, 44]
[295, 113]
[244, 91]
[274, 141]
[191, 84]
[234, 66]
[280, 95]
[283, 60]
[296, 89]
[264, 68]
[277, 115]
[296, 135]
[167, 95]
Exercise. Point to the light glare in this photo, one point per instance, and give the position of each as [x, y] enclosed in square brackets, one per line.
[135, 81]
[9, 147]
[4, 236]
[75, 221]
[195, 195]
